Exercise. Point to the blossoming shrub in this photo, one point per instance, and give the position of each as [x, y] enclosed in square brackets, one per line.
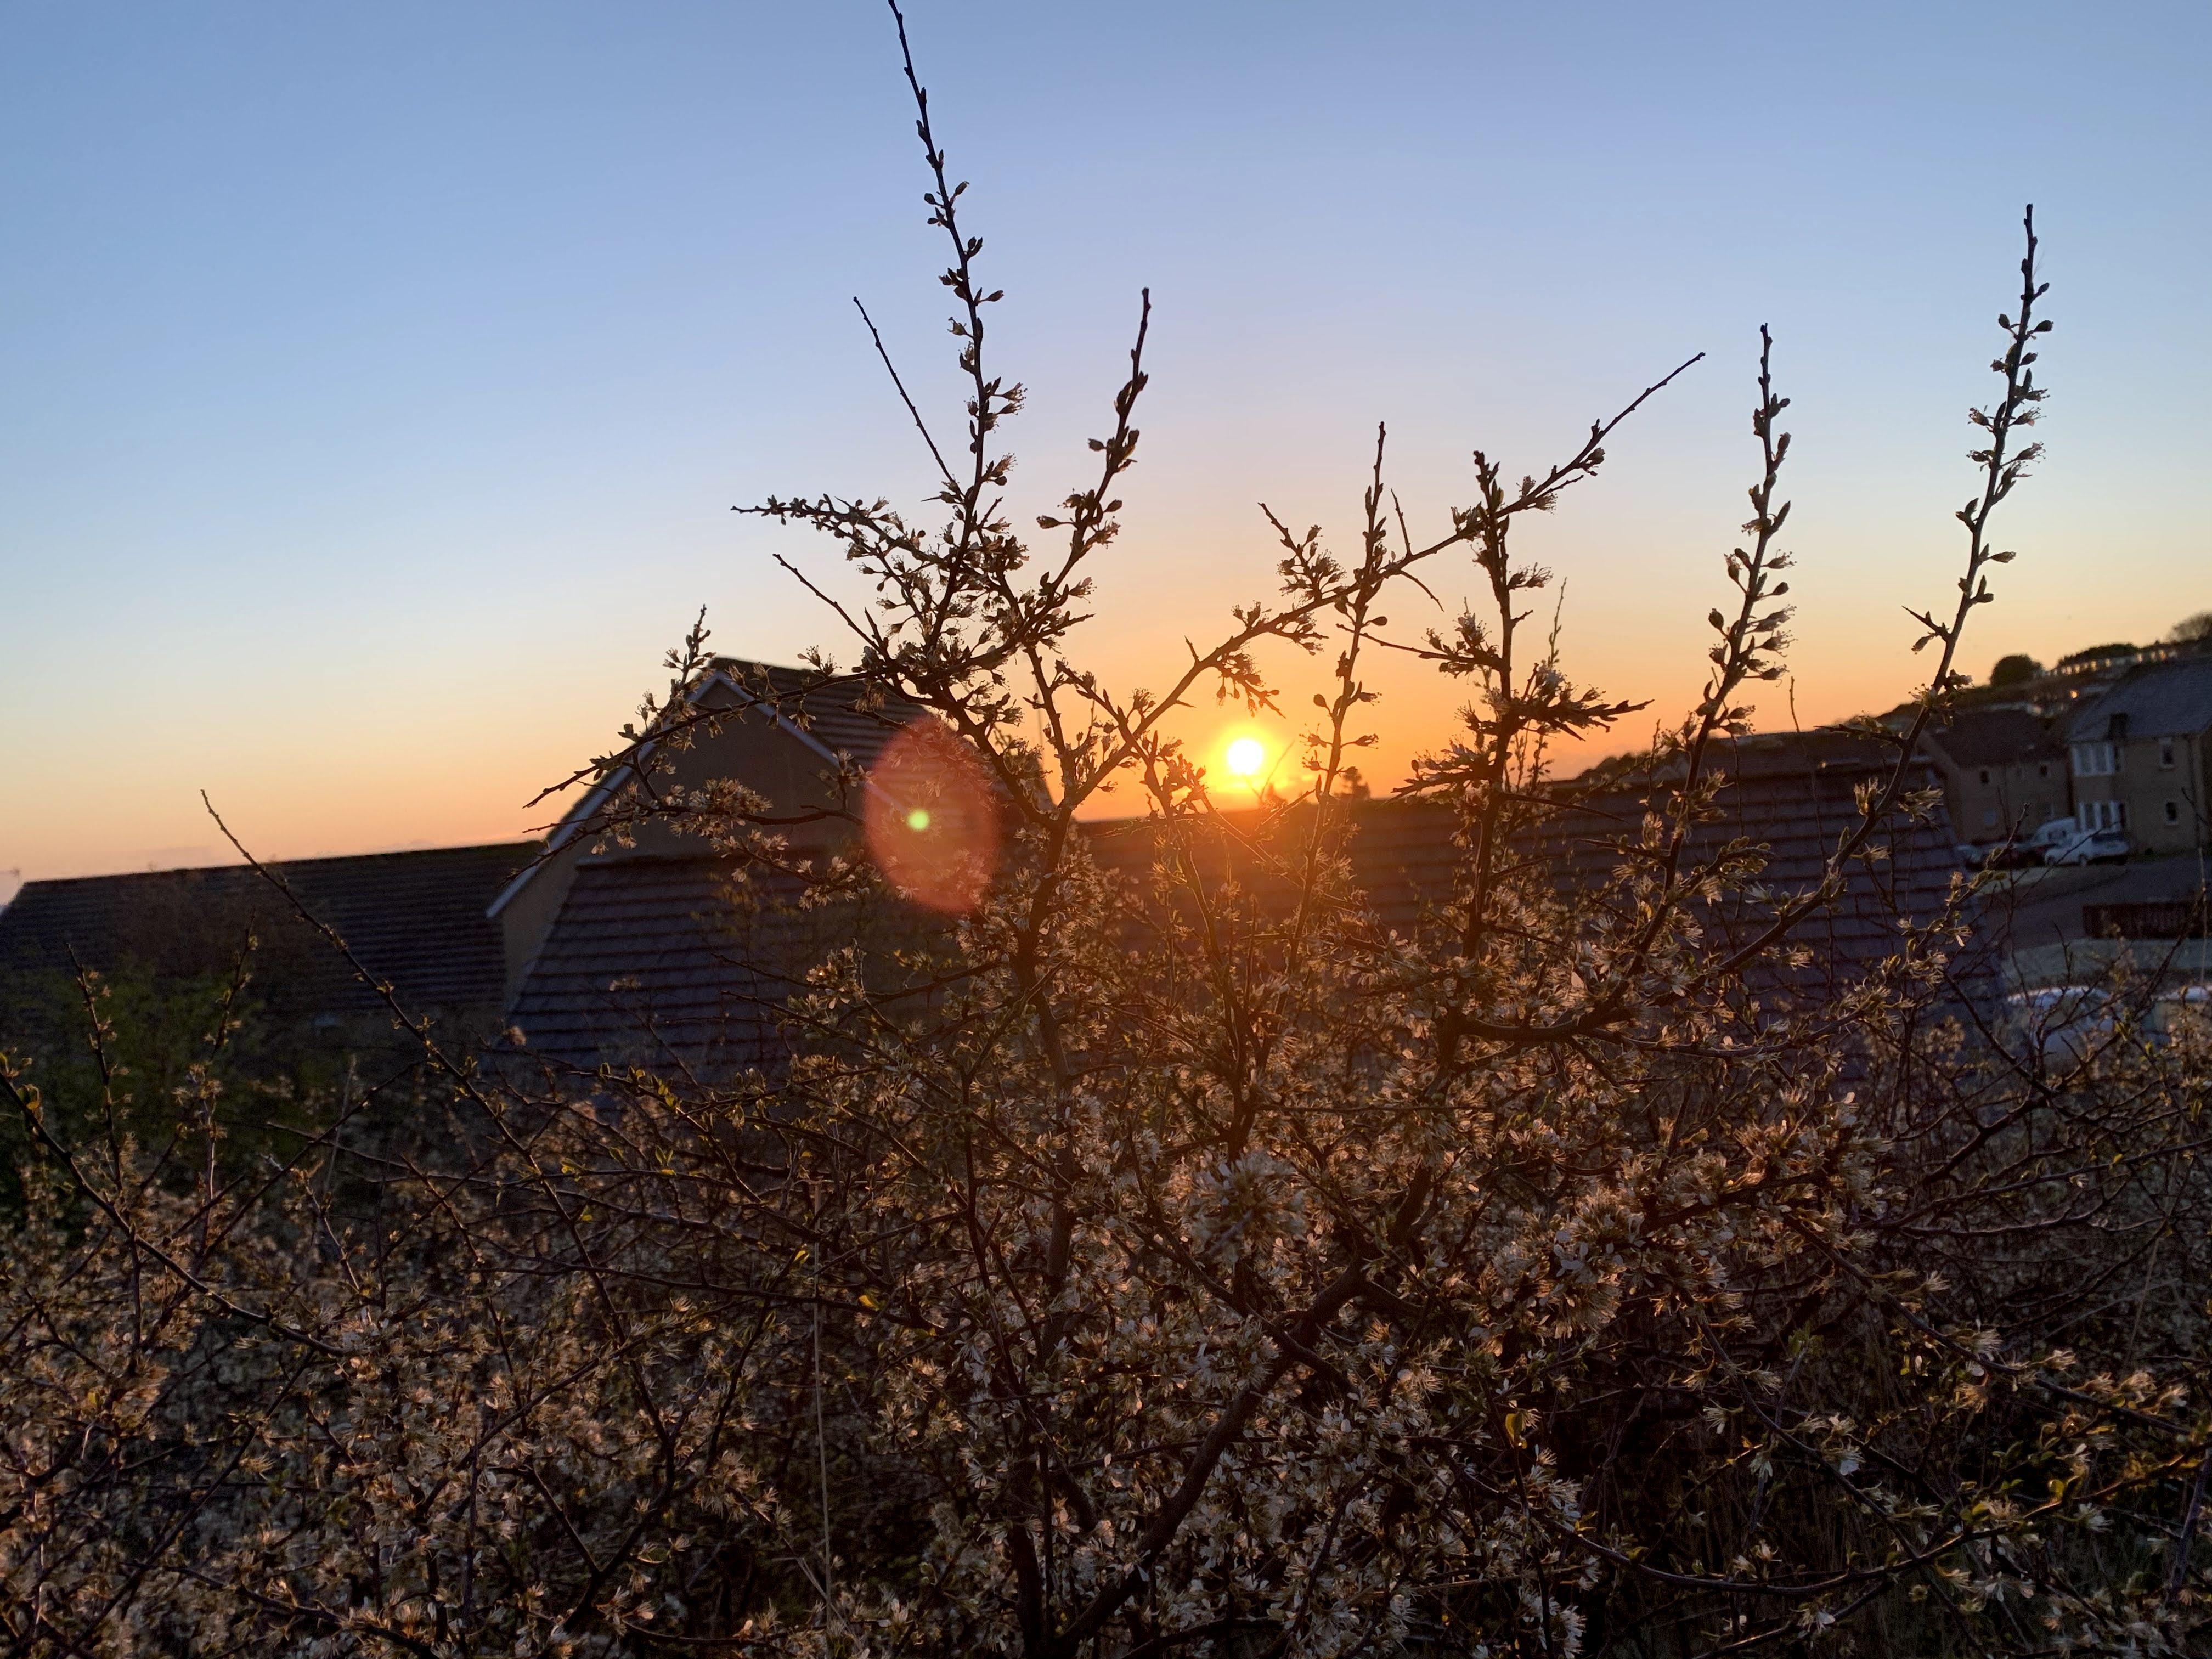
[1169, 1258]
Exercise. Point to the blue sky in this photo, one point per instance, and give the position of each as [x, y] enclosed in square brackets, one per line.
[377, 381]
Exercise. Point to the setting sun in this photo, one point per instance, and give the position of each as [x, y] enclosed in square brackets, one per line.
[1246, 756]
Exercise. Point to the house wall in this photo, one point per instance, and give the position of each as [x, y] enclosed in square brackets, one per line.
[2159, 785]
[527, 914]
[2163, 783]
[1988, 803]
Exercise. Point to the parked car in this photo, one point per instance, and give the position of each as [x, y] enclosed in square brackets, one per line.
[2025, 852]
[2049, 837]
[2090, 846]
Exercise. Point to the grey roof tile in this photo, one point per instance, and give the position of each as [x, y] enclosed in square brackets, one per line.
[652, 962]
[2160, 700]
[840, 713]
[658, 961]
[416, 920]
[1997, 737]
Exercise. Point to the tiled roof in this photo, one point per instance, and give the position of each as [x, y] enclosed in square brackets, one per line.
[416, 920]
[840, 713]
[655, 958]
[653, 961]
[1997, 737]
[1797, 819]
[2163, 700]
[673, 964]
[1404, 860]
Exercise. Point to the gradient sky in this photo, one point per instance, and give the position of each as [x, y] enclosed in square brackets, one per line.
[376, 381]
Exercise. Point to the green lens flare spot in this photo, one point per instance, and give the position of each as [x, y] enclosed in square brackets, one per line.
[918, 819]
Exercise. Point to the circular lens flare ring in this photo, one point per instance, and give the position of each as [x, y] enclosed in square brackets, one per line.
[931, 819]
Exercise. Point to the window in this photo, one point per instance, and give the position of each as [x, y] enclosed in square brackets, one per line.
[2104, 815]
[2095, 759]
[2165, 757]
[1985, 775]
[2043, 769]
[2173, 811]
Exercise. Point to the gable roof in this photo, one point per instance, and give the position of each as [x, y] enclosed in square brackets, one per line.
[684, 962]
[831, 715]
[2161, 700]
[838, 714]
[416, 920]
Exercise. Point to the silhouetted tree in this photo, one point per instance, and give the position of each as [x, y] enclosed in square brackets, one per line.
[2191, 628]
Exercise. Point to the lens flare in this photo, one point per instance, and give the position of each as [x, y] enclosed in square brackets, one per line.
[1246, 758]
[931, 819]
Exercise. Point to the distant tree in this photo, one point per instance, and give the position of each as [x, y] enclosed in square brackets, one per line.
[2192, 629]
[2015, 669]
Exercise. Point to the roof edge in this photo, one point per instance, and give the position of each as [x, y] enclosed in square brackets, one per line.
[572, 820]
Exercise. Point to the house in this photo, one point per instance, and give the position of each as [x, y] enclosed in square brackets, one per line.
[654, 948]
[609, 943]
[2141, 755]
[2004, 772]
[665, 954]
[414, 921]
[623, 941]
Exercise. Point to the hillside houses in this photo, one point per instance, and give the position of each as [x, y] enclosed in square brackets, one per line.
[2120, 740]
[2141, 754]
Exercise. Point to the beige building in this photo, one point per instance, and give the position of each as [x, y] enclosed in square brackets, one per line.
[2141, 754]
[2004, 774]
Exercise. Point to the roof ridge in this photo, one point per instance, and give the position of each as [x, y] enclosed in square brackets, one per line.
[488, 847]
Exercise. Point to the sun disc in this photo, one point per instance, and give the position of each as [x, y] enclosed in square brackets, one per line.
[1246, 756]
